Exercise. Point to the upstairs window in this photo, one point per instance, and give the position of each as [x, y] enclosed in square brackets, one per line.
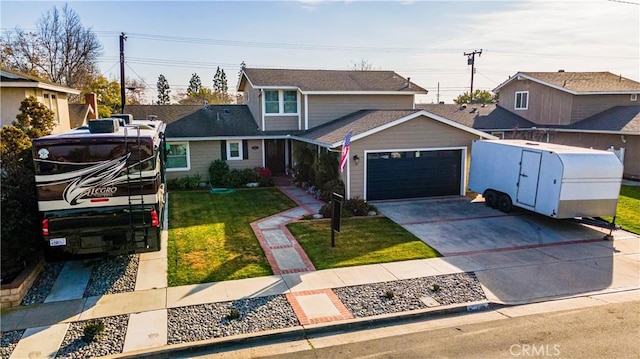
[280, 102]
[522, 100]
[271, 102]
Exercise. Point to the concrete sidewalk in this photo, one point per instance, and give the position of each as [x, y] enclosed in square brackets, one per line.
[512, 277]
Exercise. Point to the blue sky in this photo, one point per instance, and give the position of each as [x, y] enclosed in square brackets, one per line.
[423, 40]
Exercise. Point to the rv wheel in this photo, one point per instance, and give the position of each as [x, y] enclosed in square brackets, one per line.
[490, 198]
[504, 203]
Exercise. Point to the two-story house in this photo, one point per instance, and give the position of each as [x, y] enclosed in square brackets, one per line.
[588, 109]
[396, 151]
[15, 87]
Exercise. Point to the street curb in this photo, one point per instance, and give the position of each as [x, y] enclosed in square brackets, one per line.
[301, 332]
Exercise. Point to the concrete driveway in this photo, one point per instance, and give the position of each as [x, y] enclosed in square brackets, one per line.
[458, 226]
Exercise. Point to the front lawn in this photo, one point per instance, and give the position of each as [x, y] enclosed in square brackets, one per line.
[361, 241]
[628, 211]
[210, 237]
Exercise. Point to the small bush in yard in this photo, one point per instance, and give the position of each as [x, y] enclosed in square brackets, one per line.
[389, 294]
[358, 207]
[233, 179]
[233, 314]
[217, 170]
[330, 187]
[92, 330]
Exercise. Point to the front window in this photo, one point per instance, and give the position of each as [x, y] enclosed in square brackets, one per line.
[522, 100]
[234, 150]
[281, 102]
[271, 102]
[178, 156]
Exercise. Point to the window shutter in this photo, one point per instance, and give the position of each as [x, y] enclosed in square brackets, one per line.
[223, 150]
[245, 149]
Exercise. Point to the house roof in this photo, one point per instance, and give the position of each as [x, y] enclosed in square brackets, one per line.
[489, 117]
[329, 81]
[78, 114]
[579, 83]
[11, 78]
[616, 119]
[200, 122]
[366, 122]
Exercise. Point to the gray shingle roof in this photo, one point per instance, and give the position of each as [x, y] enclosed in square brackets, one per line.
[490, 117]
[619, 118]
[360, 122]
[581, 82]
[197, 121]
[329, 80]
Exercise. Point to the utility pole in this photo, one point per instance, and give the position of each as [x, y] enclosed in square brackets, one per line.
[471, 59]
[122, 89]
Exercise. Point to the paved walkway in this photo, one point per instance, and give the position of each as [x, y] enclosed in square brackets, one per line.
[519, 276]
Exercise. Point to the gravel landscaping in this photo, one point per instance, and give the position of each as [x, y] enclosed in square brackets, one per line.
[110, 275]
[206, 321]
[110, 342]
[404, 295]
[8, 342]
[113, 274]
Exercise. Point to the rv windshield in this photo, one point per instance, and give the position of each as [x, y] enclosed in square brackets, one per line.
[63, 157]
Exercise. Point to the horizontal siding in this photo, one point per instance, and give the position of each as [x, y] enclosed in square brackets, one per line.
[420, 132]
[202, 153]
[547, 106]
[281, 123]
[325, 108]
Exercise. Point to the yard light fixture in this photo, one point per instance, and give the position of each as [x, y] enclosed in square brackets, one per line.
[356, 159]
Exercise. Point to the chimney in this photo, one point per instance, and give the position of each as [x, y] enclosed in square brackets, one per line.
[92, 100]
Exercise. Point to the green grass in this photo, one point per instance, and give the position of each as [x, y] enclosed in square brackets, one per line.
[210, 237]
[361, 241]
[628, 211]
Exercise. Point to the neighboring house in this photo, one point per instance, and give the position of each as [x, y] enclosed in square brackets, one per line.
[15, 87]
[80, 113]
[396, 150]
[588, 109]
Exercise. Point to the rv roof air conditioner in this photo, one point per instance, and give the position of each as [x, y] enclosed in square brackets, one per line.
[104, 125]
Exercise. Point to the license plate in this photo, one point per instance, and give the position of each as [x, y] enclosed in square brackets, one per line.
[54, 242]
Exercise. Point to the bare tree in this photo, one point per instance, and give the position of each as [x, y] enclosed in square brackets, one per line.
[61, 50]
[363, 65]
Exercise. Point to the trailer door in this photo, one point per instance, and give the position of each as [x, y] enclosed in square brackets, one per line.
[528, 180]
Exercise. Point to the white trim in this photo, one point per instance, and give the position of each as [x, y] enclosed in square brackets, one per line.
[634, 97]
[463, 164]
[188, 154]
[306, 112]
[264, 161]
[39, 85]
[411, 117]
[405, 93]
[228, 148]
[522, 95]
[226, 138]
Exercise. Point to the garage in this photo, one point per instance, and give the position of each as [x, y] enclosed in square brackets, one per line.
[414, 173]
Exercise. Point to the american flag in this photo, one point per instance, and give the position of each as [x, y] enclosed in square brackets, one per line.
[345, 151]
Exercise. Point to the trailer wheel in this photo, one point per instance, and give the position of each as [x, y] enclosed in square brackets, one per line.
[490, 198]
[504, 203]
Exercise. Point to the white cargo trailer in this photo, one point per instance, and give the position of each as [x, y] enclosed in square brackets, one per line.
[553, 180]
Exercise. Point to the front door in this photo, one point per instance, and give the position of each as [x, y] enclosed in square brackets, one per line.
[274, 156]
[528, 183]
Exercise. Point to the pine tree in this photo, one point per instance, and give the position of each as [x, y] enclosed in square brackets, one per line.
[220, 86]
[194, 85]
[163, 91]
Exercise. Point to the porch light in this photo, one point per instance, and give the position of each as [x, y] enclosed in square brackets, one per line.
[356, 159]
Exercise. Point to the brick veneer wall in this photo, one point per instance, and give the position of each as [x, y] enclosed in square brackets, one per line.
[11, 294]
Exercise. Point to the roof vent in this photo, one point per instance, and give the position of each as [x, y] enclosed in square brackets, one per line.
[441, 103]
[560, 70]
[104, 125]
[152, 117]
[474, 109]
[463, 106]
